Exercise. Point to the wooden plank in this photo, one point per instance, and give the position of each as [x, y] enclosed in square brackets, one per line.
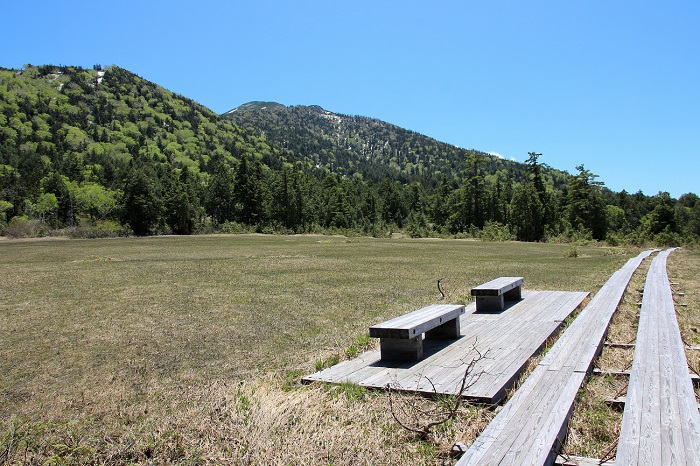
[497, 286]
[536, 426]
[501, 372]
[417, 322]
[660, 424]
[524, 350]
[507, 344]
[493, 436]
[587, 331]
[694, 378]
[634, 419]
[554, 429]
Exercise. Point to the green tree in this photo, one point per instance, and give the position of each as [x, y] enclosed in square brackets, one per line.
[476, 201]
[93, 200]
[219, 201]
[441, 208]
[182, 203]
[57, 184]
[616, 219]
[535, 170]
[142, 204]
[586, 208]
[393, 207]
[248, 191]
[4, 208]
[337, 212]
[526, 213]
[662, 217]
[45, 205]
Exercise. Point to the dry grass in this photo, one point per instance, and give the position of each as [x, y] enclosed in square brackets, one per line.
[184, 350]
[685, 282]
[594, 427]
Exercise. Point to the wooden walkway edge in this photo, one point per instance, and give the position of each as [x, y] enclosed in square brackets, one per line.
[529, 426]
[661, 423]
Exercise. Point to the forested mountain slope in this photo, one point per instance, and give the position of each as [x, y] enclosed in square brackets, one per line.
[104, 151]
[352, 145]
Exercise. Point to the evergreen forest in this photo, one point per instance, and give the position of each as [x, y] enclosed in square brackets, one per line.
[103, 152]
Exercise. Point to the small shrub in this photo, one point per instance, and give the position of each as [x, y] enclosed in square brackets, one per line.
[22, 227]
[332, 361]
[352, 391]
[572, 252]
[352, 351]
[667, 238]
[99, 229]
[495, 231]
[292, 379]
[233, 228]
[363, 341]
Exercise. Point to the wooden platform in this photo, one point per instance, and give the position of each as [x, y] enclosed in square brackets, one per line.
[661, 423]
[529, 426]
[511, 337]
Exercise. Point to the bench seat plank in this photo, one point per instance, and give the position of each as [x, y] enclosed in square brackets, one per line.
[498, 286]
[417, 322]
[491, 296]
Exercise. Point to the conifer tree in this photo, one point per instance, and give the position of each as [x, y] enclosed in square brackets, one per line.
[527, 213]
[142, 204]
[219, 201]
[586, 209]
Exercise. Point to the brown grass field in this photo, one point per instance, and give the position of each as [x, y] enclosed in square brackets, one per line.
[189, 350]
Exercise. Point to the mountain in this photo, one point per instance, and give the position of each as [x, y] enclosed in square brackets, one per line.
[99, 152]
[367, 147]
[256, 105]
[79, 135]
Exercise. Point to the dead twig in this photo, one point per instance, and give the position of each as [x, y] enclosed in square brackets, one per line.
[610, 454]
[439, 288]
[412, 417]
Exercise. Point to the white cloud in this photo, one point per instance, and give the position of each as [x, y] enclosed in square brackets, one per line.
[502, 157]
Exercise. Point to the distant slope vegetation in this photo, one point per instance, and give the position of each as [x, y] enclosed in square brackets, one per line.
[62, 113]
[94, 152]
[352, 145]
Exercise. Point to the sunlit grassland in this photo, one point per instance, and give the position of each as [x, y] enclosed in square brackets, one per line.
[126, 337]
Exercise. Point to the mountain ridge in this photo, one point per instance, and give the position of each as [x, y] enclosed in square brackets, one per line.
[352, 144]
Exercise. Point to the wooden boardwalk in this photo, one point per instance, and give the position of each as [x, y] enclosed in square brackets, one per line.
[529, 426]
[661, 423]
[511, 337]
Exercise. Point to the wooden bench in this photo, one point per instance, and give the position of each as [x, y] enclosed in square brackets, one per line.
[491, 296]
[401, 338]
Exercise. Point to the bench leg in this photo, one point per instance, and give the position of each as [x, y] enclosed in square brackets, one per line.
[401, 349]
[514, 295]
[490, 303]
[448, 331]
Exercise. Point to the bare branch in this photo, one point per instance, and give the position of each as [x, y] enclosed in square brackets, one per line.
[423, 421]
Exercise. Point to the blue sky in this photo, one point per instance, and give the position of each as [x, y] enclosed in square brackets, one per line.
[613, 85]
